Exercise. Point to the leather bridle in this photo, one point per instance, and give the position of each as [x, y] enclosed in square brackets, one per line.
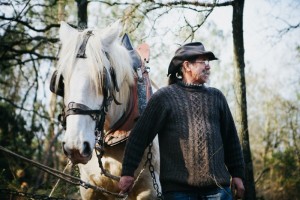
[140, 94]
[98, 115]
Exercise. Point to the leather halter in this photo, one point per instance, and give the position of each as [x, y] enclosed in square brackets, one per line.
[81, 51]
[139, 95]
[97, 115]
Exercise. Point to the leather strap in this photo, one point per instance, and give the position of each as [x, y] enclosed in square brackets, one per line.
[81, 51]
[121, 129]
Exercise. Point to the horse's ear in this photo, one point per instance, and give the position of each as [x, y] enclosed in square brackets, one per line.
[126, 42]
[65, 31]
[111, 34]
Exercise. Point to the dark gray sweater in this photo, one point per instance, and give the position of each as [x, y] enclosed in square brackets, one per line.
[199, 146]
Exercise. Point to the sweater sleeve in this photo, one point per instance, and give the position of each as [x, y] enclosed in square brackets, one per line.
[146, 128]
[232, 149]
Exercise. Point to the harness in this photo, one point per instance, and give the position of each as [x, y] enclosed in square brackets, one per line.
[140, 94]
[74, 108]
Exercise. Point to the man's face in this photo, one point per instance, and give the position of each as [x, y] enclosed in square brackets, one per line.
[199, 70]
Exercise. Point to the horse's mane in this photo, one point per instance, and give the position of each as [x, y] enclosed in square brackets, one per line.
[100, 57]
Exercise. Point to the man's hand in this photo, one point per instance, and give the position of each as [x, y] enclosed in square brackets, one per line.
[125, 184]
[237, 188]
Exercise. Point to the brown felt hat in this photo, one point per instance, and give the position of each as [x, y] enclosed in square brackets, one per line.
[187, 51]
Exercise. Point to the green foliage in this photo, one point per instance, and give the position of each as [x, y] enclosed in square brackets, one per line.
[276, 144]
[287, 165]
[14, 136]
[285, 174]
[13, 133]
[28, 37]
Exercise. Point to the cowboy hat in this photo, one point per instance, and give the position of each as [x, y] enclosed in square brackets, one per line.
[186, 52]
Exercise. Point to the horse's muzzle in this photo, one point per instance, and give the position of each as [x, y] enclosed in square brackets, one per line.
[76, 156]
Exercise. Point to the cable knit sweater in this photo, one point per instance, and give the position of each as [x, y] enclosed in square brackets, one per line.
[199, 145]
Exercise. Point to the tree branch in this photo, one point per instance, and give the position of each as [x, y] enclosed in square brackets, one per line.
[265, 170]
[26, 24]
[22, 108]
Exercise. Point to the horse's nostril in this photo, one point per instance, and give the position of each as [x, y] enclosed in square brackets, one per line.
[86, 149]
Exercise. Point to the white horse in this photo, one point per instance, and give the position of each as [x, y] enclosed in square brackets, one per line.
[83, 84]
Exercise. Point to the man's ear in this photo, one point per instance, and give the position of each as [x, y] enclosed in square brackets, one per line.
[186, 66]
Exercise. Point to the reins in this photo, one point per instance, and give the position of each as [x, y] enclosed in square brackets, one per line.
[142, 89]
[66, 177]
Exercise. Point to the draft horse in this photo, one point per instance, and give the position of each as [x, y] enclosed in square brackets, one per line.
[97, 76]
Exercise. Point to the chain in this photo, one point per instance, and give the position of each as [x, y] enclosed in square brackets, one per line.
[99, 149]
[100, 152]
[151, 169]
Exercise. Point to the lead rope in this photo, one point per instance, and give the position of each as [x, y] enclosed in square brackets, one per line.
[66, 177]
[151, 169]
[57, 182]
[100, 152]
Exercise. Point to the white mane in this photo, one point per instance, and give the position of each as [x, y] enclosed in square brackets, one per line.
[100, 41]
[83, 81]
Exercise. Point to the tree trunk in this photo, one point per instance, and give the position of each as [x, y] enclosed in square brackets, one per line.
[82, 13]
[240, 87]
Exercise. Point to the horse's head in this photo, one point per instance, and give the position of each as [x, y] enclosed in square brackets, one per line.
[94, 66]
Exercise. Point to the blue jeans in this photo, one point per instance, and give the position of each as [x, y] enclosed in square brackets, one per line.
[218, 194]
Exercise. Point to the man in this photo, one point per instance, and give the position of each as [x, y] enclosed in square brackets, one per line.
[199, 147]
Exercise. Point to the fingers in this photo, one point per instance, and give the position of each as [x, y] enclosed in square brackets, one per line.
[125, 184]
[240, 192]
[237, 188]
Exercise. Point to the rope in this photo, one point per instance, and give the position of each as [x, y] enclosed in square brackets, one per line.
[68, 178]
[56, 184]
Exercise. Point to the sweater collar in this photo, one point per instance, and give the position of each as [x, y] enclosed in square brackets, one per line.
[190, 85]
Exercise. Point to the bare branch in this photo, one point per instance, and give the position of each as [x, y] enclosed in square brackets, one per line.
[265, 170]
[169, 4]
[48, 27]
[289, 28]
[22, 108]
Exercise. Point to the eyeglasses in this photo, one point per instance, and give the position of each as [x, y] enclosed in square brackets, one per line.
[205, 62]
